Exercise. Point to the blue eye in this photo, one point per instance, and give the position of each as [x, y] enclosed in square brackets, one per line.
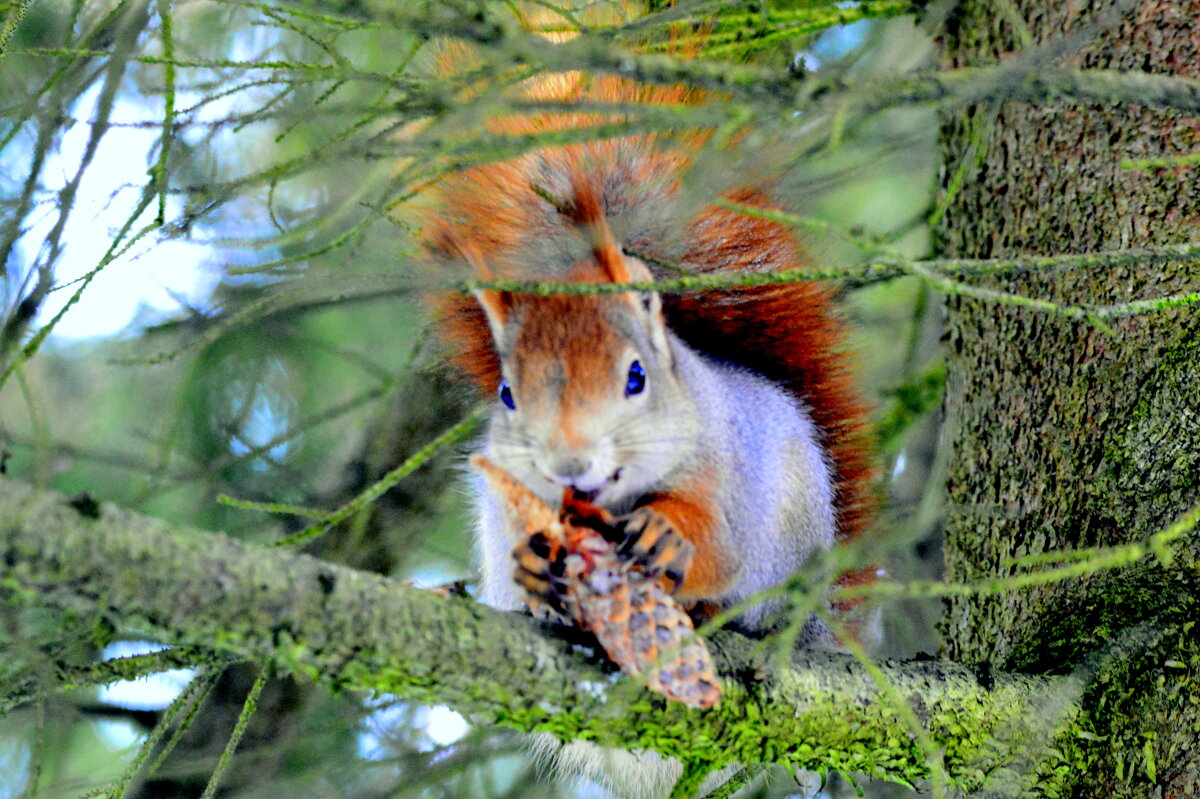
[506, 396]
[636, 380]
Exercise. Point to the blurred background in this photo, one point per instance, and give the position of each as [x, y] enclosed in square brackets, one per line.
[209, 253]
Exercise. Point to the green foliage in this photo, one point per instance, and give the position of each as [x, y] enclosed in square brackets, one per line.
[294, 146]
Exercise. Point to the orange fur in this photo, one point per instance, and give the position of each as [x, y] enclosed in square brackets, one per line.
[692, 513]
[571, 328]
[790, 334]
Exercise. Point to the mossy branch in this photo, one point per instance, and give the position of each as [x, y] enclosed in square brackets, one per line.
[944, 274]
[349, 629]
[26, 689]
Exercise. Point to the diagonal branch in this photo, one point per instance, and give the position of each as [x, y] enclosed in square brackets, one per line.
[350, 629]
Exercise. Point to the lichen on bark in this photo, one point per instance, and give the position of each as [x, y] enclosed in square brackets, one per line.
[349, 630]
[1064, 435]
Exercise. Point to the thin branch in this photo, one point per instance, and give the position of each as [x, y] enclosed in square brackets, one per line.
[239, 729]
[1046, 84]
[380, 487]
[116, 249]
[14, 12]
[168, 123]
[66, 677]
[1164, 547]
[1164, 162]
[182, 704]
[874, 270]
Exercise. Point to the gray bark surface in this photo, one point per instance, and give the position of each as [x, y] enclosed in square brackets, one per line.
[1064, 435]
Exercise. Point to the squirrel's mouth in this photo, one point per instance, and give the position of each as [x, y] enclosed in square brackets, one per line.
[592, 494]
[587, 496]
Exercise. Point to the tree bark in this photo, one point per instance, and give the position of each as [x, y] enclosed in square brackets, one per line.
[1064, 434]
[347, 629]
[377, 540]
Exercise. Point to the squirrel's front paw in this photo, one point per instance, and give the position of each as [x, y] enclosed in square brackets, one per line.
[652, 545]
[541, 572]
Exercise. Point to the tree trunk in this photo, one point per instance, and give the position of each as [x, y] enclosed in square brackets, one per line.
[1063, 434]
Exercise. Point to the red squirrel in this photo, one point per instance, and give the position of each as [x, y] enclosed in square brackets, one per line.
[720, 427]
[727, 418]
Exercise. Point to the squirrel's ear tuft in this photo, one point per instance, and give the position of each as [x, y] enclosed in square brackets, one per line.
[638, 272]
[647, 304]
[588, 212]
[496, 304]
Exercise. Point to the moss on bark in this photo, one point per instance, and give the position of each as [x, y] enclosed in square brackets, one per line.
[1065, 435]
[347, 629]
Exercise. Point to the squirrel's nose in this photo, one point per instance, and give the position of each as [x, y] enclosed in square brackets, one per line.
[567, 470]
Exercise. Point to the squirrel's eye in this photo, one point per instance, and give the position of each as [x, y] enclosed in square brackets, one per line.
[635, 382]
[506, 396]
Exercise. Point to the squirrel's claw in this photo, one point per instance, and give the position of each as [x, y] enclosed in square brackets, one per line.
[541, 566]
[653, 546]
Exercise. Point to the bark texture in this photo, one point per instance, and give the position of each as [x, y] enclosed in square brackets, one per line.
[375, 540]
[347, 629]
[1064, 435]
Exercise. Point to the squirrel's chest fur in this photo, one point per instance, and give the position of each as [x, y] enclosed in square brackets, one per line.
[756, 452]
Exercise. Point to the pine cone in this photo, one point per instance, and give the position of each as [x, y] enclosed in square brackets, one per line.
[636, 621]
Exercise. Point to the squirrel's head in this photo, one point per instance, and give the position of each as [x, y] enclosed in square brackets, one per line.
[589, 397]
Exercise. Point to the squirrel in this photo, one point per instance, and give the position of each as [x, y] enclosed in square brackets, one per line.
[720, 427]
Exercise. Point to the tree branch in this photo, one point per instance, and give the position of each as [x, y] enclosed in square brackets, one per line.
[1046, 84]
[350, 629]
